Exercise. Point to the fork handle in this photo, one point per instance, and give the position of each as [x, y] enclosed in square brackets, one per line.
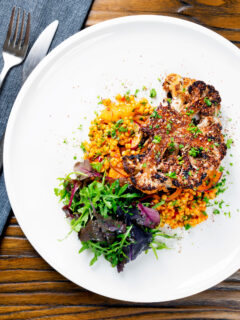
[4, 72]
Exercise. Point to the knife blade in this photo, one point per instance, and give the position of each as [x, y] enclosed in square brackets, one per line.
[39, 49]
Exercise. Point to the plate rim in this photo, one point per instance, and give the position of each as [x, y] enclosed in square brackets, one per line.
[17, 104]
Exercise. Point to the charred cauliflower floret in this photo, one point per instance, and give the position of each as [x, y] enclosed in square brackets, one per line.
[190, 96]
[182, 145]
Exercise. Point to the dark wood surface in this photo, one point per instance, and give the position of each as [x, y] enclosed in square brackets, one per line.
[31, 289]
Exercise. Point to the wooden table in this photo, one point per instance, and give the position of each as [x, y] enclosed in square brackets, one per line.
[31, 289]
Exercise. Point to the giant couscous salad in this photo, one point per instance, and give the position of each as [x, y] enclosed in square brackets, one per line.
[146, 168]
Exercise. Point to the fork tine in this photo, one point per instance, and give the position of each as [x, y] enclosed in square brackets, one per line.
[9, 32]
[16, 28]
[21, 30]
[26, 39]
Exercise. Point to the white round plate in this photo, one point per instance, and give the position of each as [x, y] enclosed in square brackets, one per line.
[42, 138]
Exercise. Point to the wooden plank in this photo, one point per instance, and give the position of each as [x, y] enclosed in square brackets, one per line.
[95, 313]
[22, 262]
[39, 285]
[14, 231]
[211, 298]
[16, 246]
[10, 276]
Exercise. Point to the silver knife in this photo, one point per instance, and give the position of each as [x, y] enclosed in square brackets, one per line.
[39, 49]
[36, 54]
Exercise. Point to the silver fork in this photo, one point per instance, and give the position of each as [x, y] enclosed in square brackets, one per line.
[14, 50]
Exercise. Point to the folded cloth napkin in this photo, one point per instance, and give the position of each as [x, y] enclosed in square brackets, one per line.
[71, 15]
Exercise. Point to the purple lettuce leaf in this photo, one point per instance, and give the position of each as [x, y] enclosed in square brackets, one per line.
[102, 229]
[86, 169]
[74, 190]
[141, 242]
[151, 216]
[140, 237]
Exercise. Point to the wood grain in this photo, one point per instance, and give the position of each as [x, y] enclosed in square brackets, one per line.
[31, 289]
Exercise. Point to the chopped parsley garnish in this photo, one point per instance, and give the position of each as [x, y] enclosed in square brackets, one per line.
[194, 129]
[206, 199]
[174, 203]
[122, 129]
[157, 139]
[157, 155]
[155, 115]
[194, 152]
[169, 127]
[83, 147]
[136, 92]
[184, 89]
[97, 165]
[169, 100]
[172, 175]
[207, 101]
[113, 133]
[181, 146]
[80, 127]
[153, 93]
[144, 88]
[144, 165]
[159, 204]
[118, 123]
[172, 147]
[220, 204]
[221, 168]
[216, 211]
[229, 143]
[190, 112]
[220, 186]
[187, 226]
[180, 160]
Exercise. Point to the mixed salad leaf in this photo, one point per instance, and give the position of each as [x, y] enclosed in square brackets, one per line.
[109, 217]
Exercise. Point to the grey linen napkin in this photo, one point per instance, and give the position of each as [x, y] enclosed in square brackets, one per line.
[71, 15]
